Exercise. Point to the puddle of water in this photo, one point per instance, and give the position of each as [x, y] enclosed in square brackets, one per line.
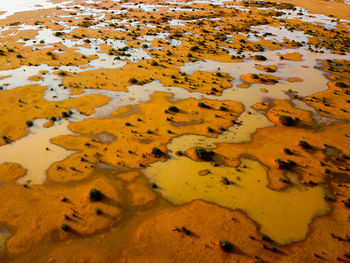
[304, 15]
[23, 150]
[31, 151]
[144, 7]
[251, 120]
[291, 69]
[235, 134]
[279, 33]
[214, 2]
[14, 6]
[253, 95]
[141, 94]
[19, 77]
[283, 216]
[301, 14]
